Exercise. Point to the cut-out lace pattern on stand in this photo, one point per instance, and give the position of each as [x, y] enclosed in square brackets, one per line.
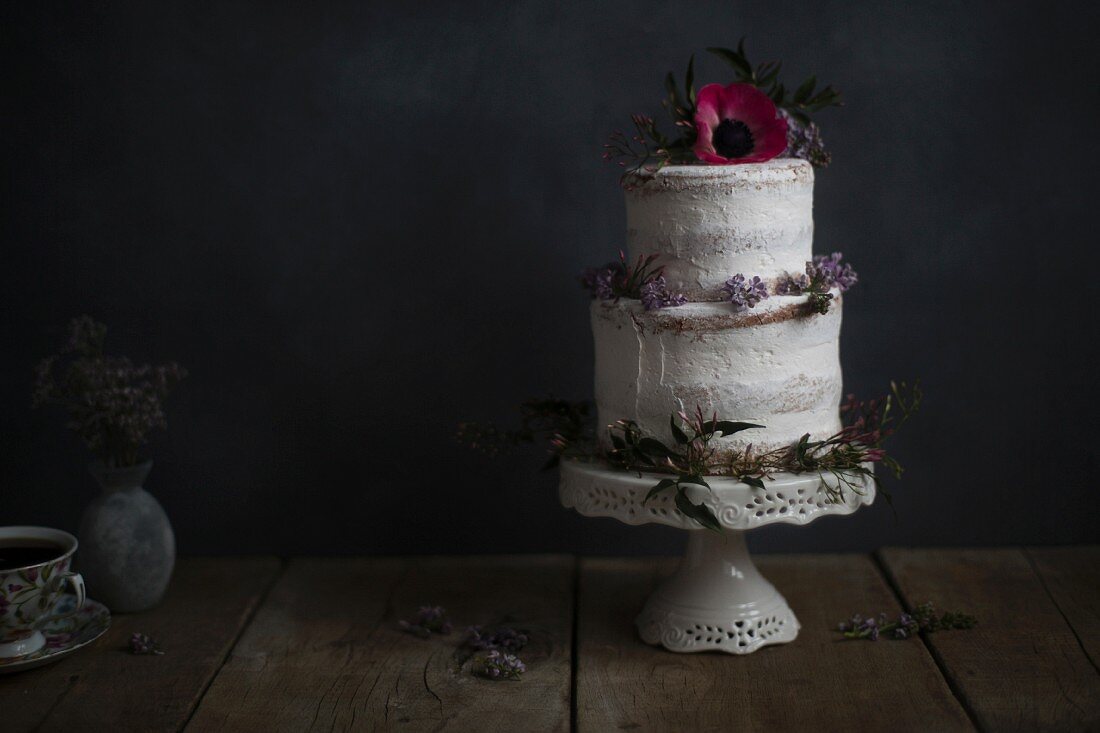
[796, 499]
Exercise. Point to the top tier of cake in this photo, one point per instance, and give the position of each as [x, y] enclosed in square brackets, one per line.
[708, 223]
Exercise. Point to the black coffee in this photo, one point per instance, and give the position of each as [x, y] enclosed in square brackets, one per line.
[18, 552]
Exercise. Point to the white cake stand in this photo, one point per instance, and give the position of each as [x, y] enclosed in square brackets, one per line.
[716, 600]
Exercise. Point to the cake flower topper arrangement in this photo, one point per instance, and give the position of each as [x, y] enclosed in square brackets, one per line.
[751, 120]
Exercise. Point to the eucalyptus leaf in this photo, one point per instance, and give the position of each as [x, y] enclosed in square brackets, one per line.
[660, 486]
[751, 481]
[699, 512]
[692, 479]
[805, 90]
[652, 446]
[728, 427]
[689, 81]
[734, 59]
[680, 436]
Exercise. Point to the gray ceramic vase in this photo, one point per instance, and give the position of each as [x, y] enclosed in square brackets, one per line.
[127, 547]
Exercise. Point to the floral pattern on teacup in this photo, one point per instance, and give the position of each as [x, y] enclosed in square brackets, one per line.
[28, 594]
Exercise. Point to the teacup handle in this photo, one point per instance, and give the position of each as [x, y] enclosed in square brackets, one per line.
[76, 582]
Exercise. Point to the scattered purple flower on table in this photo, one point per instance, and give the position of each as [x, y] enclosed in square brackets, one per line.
[427, 621]
[503, 638]
[497, 665]
[655, 295]
[745, 293]
[142, 644]
[923, 618]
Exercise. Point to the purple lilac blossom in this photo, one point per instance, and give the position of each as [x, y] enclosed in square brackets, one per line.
[790, 285]
[804, 141]
[503, 638]
[142, 644]
[598, 280]
[745, 293]
[831, 272]
[427, 621]
[655, 295]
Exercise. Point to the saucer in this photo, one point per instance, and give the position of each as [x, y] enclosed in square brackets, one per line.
[65, 635]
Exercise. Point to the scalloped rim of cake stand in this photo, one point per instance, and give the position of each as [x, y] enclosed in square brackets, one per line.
[596, 490]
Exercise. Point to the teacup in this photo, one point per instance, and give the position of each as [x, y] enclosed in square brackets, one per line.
[34, 573]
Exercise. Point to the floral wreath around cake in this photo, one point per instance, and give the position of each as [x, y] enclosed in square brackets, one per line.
[846, 456]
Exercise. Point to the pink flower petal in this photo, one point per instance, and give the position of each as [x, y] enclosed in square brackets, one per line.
[707, 102]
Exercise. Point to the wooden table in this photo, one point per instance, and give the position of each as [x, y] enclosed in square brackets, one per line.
[259, 644]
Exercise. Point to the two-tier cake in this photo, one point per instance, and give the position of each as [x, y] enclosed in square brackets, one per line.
[776, 364]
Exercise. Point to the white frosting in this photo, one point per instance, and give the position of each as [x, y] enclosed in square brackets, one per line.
[776, 365]
[708, 223]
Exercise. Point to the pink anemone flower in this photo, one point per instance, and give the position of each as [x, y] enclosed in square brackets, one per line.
[737, 124]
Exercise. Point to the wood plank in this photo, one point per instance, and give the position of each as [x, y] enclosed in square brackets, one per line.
[817, 682]
[325, 651]
[1021, 668]
[104, 688]
[1072, 577]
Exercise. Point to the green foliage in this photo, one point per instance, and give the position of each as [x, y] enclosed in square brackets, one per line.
[804, 101]
[690, 458]
[565, 424]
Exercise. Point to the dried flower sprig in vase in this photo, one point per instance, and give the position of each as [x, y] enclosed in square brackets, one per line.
[113, 404]
[127, 546]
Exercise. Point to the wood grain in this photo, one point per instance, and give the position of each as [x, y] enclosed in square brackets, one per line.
[1021, 668]
[1072, 577]
[104, 688]
[817, 682]
[325, 652]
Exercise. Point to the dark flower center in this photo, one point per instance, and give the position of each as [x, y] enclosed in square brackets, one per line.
[732, 139]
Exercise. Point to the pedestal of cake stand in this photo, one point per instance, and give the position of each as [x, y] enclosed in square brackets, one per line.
[717, 599]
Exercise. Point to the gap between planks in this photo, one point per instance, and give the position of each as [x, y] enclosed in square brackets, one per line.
[276, 577]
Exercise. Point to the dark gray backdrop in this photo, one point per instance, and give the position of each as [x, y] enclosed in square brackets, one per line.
[360, 223]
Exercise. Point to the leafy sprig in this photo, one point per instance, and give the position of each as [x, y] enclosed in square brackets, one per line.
[923, 619]
[566, 425]
[620, 279]
[804, 101]
[689, 459]
[844, 455]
